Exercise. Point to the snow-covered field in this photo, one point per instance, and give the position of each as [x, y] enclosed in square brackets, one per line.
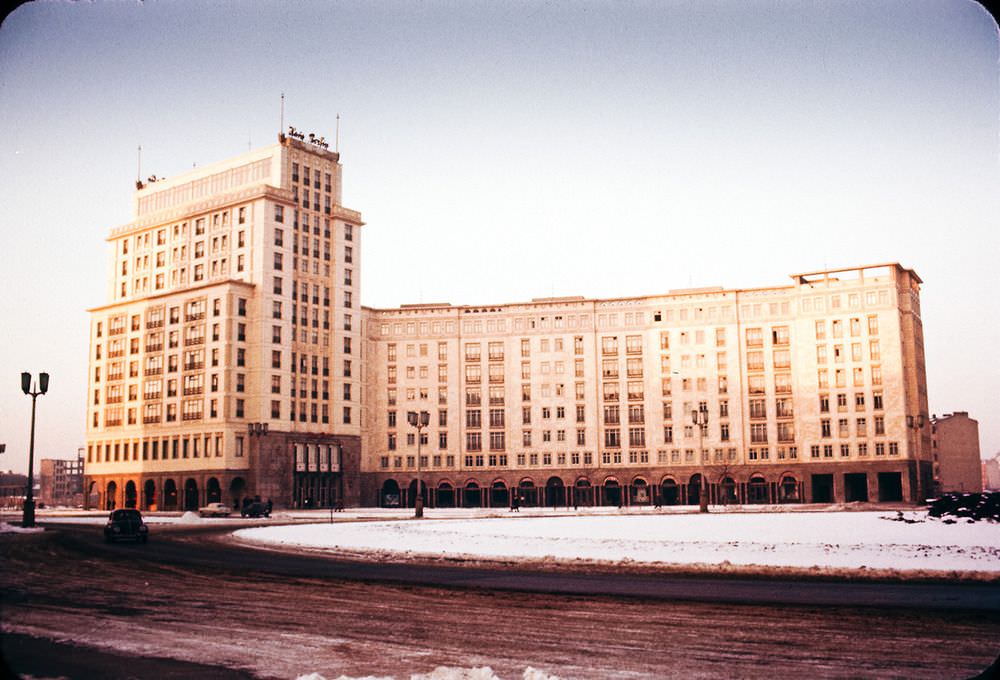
[822, 540]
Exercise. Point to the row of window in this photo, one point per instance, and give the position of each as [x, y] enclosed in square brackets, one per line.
[209, 445]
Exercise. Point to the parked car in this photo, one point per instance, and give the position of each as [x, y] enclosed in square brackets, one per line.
[125, 524]
[255, 509]
[215, 510]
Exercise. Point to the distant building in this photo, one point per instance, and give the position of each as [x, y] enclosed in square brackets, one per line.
[12, 488]
[955, 443]
[61, 481]
[991, 473]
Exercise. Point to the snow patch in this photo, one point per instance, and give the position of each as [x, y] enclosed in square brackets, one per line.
[819, 540]
[189, 517]
[6, 528]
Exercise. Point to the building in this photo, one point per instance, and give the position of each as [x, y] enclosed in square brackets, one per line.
[991, 473]
[812, 392]
[60, 481]
[955, 445]
[233, 360]
[12, 490]
[226, 364]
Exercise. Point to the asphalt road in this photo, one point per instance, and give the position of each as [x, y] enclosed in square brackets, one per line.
[188, 597]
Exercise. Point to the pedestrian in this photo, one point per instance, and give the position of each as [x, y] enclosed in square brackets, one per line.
[267, 512]
[515, 503]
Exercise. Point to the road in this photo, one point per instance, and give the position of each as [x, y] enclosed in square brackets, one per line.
[189, 598]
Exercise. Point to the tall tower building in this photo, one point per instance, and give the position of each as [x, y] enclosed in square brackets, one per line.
[225, 364]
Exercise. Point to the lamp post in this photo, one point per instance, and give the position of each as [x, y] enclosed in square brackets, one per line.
[700, 419]
[420, 421]
[259, 430]
[28, 519]
[916, 423]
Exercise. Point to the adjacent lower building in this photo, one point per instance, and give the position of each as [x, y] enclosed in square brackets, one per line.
[955, 445]
[233, 360]
[60, 481]
[811, 392]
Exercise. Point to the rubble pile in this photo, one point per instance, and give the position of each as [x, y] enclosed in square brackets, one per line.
[970, 506]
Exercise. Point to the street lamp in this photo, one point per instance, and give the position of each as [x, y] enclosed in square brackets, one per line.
[255, 430]
[700, 418]
[28, 519]
[420, 421]
[916, 423]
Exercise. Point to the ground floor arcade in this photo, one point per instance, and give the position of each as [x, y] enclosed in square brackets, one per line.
[890, 482]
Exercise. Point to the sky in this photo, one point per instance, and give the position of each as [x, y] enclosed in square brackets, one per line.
[500, 151]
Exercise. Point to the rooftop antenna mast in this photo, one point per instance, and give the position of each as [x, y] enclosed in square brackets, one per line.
[336, 141]
[281, 122]
[138, 166]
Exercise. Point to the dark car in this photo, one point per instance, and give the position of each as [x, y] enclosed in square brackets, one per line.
[255, 509]
[125, 524]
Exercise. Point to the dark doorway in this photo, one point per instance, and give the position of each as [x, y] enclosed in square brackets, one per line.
[389, 495]
[822, 488]
[473, 496]
[149, 495]
[612, 493]
[789, 490]
[583, 493]
[856, 487]
[727, 487]
[411, 493]
[445, 495]
[237, 488]
[640, 493]
[190, 495]
[131, 494]
[757, 490]
[170, 495]
[109, 497]
[890, 487]
[694, 490]
[213, 492]
[668, 492]
[529, 494]
[555, 492]
[499, 498]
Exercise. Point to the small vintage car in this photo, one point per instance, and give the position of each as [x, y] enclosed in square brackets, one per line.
[125, 524]
[215, 510]
[255, 509]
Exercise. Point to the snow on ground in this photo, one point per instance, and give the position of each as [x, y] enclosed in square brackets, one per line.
[832, 540]
[6, 528]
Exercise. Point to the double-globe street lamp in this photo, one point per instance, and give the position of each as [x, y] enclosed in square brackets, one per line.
[420, 421]
[700, 419]
[916, 423]
[28, 519]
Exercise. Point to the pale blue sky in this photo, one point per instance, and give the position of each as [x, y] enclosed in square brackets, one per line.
[508, 150]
